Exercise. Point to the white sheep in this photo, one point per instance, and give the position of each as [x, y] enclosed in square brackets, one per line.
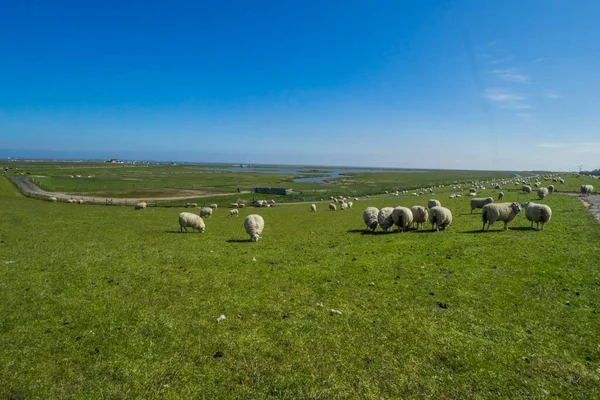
[189, 220]
[537, 213]
[233, 205]
[52, 199]
[490, 213]
[370, 217]
[384, 218]
[349, 204]
[141, 205]
[586, 189]
[440, 217]
[206, 212]
[433, 203]
[526, 188]
[420, 216]
[542, 192]
[402, 217]
[313, 207]
[500, 196]
[214, 206]
[551, 189]
[254, 225]
[332, 207]
[343, 206]
[480, 202]
[234, 212]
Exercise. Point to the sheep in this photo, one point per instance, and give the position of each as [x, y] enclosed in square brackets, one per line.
[349, 204]
[234, 212]
[370, 217]
[480, 202]
[70, 201]
[500, 196]
[472, 194]
[506, 212]
[343, 206]
[433, 203]
[440, 217]
[420, 215]
[254, 225]
[542, 192]
[384, 218]
[214, 206]
[402, 217]
[52, 199]
[191, 205]
[332, 207]
[497, 187]
[551, 189]
[233, 205]
[187, 219]
[452, 196]
[141, 205]
[586, 189]
[206, 212]
[537, 213]
[526, 188]
[241, 205]
[313, 207]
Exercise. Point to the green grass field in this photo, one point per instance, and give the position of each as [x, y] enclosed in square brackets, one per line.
[107, 302]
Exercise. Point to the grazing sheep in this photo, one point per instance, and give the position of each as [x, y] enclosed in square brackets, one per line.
[206, 212]
[537, 213]
[214, 206]
[234, 212]
[472, 194]
[52, 199]
[440, 217]
[402, 217]
[384, 218]
[433, 203]
[526, 188]
[506, 212]
[191, 205]
[242, 205]
[233, 205]
[254, 225]
[70, 201]
[343, 206]
[313, 207]
[332, 207]
[500, 196]
[586, 189]
[370, 217]
[497, 187]
[542, 192]
[420, 216]
[551, 189]
[189, 220]
[452, 196]
[349, 204]
[141, 205]
[480, 202]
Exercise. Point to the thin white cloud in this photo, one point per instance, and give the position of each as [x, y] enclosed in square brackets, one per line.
[503, 95]
[502, 60]
[552, 95]
[511, 75]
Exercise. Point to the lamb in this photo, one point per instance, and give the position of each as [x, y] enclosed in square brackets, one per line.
[385, 219]
[506, 212]
[214, 206]
[440, 217]
[254, 225]
[420, 215]
[234, 212]
[313, 207]
[189, 220]
[141, 205]
[526, 188]
[433, 203]
[370, 217]
[500, 196]
[402, 217]
[586, 189]
[206, 212]
[537, 213]
[542, 192]
[480, 202]
[332, 207]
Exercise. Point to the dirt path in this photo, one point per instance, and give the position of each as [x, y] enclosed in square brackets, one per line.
[27, 187]
[591, 201]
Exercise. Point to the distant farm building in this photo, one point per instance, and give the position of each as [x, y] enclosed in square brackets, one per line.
[268, 190]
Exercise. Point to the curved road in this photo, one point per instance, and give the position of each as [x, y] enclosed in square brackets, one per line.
[26, 186]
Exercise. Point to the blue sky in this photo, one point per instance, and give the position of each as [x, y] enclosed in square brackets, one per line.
[422, 84]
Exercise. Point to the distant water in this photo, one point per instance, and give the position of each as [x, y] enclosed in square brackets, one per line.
[315, 175]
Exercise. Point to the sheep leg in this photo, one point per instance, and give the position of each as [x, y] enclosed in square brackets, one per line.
[531, 227]
[542, 225]
[505, 226]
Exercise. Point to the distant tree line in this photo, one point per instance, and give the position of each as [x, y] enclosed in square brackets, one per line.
[594, 172]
